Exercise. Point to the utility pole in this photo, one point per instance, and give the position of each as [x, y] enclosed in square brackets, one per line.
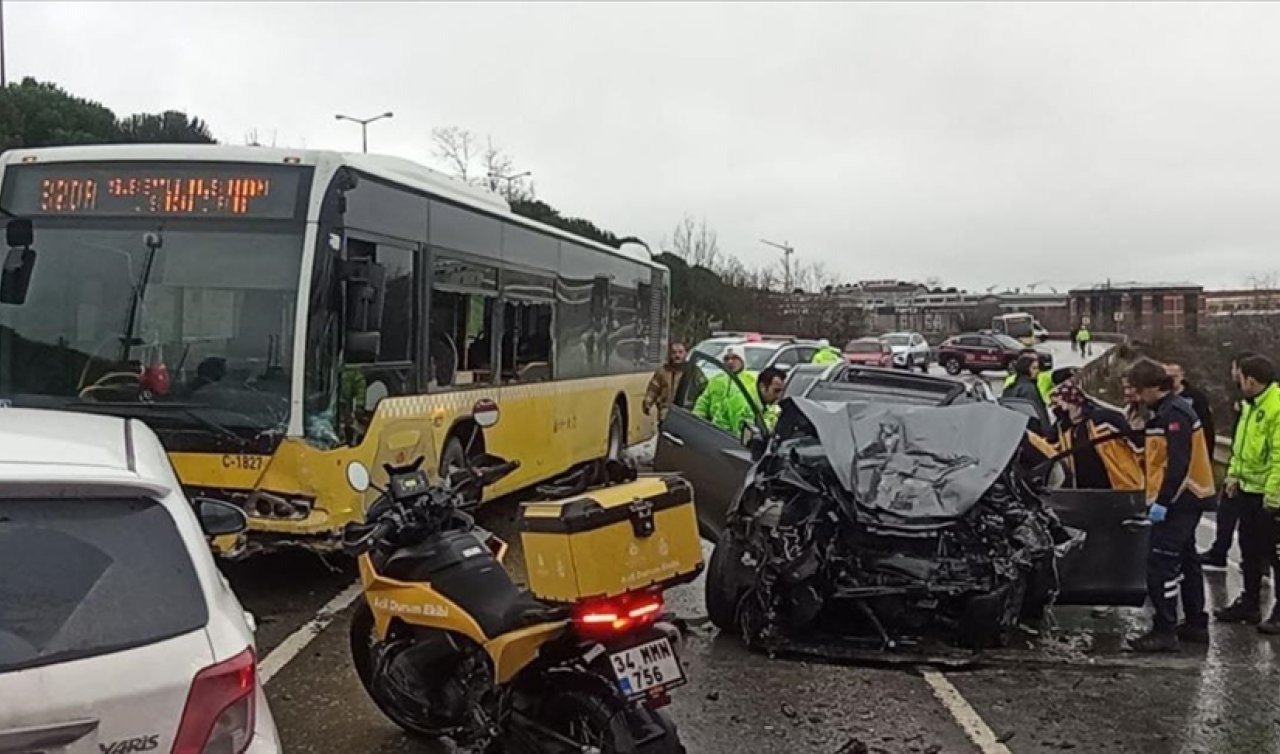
[364, 126]
[787, 251]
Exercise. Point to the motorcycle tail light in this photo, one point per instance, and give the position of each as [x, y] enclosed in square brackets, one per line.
[617, 615]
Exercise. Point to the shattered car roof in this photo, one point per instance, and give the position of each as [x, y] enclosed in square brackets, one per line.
[907, 464]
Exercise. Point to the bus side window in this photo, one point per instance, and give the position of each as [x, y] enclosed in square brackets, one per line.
[463, 320]
[526, 342]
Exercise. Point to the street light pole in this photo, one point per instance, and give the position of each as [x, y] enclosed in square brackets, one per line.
[787, 251]
[364, 126]
[4, 80]
[509, 179]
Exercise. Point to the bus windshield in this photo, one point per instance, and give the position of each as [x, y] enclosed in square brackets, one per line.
[186, 324]
[1014, 325]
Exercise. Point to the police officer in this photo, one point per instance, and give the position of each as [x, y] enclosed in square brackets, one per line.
[1179, 481]
[761, 396]
[1253, 480]
[1084, 338]
[708, 404]
[1228, 505]
[826, 354]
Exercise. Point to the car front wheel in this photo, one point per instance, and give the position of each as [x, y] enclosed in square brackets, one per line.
[952, 365]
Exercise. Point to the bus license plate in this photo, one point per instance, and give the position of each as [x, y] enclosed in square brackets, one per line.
[648, 667]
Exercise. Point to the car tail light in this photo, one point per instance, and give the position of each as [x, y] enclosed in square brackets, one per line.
[617, 615]
[218, 717]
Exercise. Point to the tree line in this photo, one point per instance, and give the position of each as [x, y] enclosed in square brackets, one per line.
[42, 114]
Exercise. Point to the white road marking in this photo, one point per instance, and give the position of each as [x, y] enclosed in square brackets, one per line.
[964, 714]
[292, 646]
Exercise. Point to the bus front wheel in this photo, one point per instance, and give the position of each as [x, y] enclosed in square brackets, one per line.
[617, 435]
[454, 458]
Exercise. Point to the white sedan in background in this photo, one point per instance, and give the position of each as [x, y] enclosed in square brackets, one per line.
[910, 350]
[117, 633]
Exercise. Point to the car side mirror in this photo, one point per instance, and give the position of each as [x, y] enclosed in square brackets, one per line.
[218, 518]
[753, 440]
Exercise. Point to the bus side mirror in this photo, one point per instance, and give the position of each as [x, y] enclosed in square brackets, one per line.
[19, 233]
[15, 280]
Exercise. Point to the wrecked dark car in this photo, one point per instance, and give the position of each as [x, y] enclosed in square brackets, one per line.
[880, 523]
[889, 508]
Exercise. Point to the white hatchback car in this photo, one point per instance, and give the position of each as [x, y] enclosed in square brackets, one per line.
[118, 634]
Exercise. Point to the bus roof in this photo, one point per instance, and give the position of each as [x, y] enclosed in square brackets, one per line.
[396, 170]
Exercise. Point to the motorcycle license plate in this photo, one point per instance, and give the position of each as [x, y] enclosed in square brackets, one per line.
[652, 666]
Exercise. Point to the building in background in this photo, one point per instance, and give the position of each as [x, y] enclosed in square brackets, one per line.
[1139, 308]
[1240, 303]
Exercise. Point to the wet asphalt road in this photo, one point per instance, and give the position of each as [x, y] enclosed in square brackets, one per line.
[1073, 688]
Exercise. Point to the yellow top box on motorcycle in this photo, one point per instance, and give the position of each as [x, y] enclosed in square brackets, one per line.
[611, 540]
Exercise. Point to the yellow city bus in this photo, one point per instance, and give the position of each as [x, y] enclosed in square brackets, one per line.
[276, 315]
[1020, 326]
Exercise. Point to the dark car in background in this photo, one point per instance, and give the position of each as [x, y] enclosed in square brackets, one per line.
[984, 351]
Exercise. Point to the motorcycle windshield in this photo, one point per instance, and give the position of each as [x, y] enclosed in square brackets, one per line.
[910, 465]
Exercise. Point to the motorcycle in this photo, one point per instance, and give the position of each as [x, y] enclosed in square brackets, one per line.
[447, 646]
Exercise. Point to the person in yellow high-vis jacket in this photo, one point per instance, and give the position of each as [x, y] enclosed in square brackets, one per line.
[1253, 479]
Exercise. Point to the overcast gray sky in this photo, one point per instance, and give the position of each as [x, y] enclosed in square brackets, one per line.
[979, 144]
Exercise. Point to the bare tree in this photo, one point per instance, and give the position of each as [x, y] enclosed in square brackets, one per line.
[479, 163]
[457, 149]
[252, 139]
[696, 243]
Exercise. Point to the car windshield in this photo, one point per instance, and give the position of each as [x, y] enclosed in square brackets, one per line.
[897, 339]
[864, 346]
[197, 318]
[84, 577]
[713, 347]
[757, 357]
[1007, 341]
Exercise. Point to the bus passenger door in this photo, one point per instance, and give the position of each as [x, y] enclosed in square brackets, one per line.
[543, 444]
[381, 350]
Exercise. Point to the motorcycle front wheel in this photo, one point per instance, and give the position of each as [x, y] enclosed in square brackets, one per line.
[599, 722]
[364, 655]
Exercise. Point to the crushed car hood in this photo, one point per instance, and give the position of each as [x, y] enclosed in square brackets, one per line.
[908, 464]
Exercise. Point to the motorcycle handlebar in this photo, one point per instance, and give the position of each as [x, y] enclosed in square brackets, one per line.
[366, 535]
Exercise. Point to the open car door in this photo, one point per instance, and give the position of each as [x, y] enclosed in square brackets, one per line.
[714, 461]
[1111, 567]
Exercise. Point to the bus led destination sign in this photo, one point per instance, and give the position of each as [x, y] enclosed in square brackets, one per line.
[244, 191]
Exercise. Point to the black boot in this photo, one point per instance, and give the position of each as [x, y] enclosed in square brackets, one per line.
[1194, 631]
[1272, 625]
[1155, 641]
[1239, 612]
